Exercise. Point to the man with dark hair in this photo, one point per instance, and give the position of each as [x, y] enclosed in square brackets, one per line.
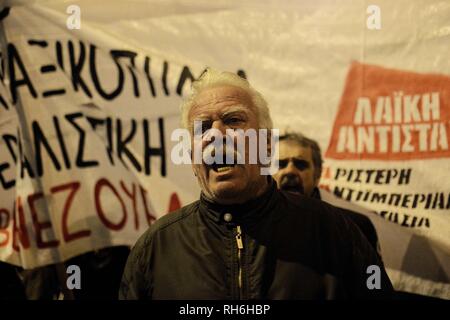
[300, 164]
[300, 168]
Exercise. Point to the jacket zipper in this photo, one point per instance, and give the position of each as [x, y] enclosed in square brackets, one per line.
[240, 247]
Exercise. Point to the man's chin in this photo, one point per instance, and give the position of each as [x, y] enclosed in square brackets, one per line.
[227, 192]
[295, 189]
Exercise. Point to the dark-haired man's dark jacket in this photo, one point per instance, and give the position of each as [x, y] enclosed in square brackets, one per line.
[292, 247]
[363, 223]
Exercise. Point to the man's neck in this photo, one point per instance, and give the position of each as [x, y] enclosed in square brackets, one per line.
[260, 188]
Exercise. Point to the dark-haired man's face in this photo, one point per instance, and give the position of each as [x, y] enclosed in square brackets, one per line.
[296, 173]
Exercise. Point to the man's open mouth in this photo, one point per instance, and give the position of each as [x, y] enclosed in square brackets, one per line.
[296, 188]
[292, 184]
[221, 167]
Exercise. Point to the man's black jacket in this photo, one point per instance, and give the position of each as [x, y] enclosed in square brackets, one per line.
[293, 247]
[364, 224]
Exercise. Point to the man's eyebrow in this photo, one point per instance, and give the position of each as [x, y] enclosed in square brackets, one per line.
[202, 117]
[238, 109]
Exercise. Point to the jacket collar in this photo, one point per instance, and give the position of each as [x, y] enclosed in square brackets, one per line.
[244, 213]
[316, 193]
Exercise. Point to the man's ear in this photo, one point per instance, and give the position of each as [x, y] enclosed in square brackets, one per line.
[316, 181]
[192, 162]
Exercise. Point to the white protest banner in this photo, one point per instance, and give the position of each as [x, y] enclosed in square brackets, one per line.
[90, 96]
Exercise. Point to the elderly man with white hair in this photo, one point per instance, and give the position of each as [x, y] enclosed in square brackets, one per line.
[244, 239]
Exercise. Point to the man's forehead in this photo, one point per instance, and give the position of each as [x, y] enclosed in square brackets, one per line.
[219, 98]
[292, 149]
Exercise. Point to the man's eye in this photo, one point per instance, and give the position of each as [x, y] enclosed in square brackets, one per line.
[234, 120]
[301, 164]
[202, 127]
[282, 163]
[206, 126]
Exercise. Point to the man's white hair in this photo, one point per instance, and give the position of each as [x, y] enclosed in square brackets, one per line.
[213, 78]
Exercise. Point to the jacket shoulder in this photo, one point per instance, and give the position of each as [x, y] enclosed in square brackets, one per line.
[168, 220]
[322, 221]
[137, 276]
[314, 209]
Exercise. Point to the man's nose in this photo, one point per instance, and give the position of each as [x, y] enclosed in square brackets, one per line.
[219, 125]
[293, 174]
[291, 168]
